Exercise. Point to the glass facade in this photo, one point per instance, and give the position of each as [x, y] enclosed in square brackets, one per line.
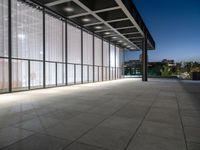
[47, 51]
[4, 46]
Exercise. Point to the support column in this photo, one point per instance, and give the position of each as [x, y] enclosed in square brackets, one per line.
[144, 59]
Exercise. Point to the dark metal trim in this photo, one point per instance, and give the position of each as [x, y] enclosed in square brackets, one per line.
[115, 62]
[88, 74]
[109, 60]
[66, 54]
[10, 45]
[102, 72]
[93, 57]
[74, 73]
[81, 56]
[44, 65]
[56, 73]
[29, 75]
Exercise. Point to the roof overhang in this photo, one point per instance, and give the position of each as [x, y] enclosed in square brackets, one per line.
[115, 20]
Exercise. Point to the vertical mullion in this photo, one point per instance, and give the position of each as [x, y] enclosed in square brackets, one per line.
[98, 73]
[66, 54]
[81, 55]
[115, 63]
[102, 72]
[88, 76]
[56, 72]
[44, 66]
[123, 62]
[109, 61]
[74, 73]
[10, 44]
[93, 57]
[29, 75]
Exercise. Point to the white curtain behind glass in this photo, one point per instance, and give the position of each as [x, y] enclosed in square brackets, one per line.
[117, 57]
[87, 48]
[74, 52]
[3, 45]
[4, 28]
[74, 44]
[105, 53]
[55, 39]
[27, 43]
[27, 39]
[98, 51]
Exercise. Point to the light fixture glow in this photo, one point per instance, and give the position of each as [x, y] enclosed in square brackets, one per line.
[98, 27]
[124, 44]
[114, 37]
[86, 19]
[107, 33]
[21, 36]
[69, 9]
[120, 41]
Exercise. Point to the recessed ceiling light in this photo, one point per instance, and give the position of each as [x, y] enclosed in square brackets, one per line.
[86, 19]
[129, 46]
[120, 41]
[69, 9]
[107, 33]
[98, 27]
[124, 44]
[114, 37]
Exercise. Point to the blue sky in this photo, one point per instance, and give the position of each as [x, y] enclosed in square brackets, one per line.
[174, 25]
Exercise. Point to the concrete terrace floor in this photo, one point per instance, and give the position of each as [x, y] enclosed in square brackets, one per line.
[126, 114]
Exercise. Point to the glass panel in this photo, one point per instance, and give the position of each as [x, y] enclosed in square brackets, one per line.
[70, 73]
[19, 75]
[4, 28]
[61, 74]
[85, 74]
[112, 55]
[78, 73]
[114, 73]
[100, 73]
[117, 57]
[50, 74]
[3, 75]
[112, 61]
[98, 51]
[105, 53]
[104, 73]
[55, 39]
[111, 73]
[74, 44]
[36, 74]
[87, 48]
[107, 72]
[90, 73]
[27, 39]
[96, 73]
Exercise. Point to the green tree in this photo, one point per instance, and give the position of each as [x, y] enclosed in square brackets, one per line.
[165, 71]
